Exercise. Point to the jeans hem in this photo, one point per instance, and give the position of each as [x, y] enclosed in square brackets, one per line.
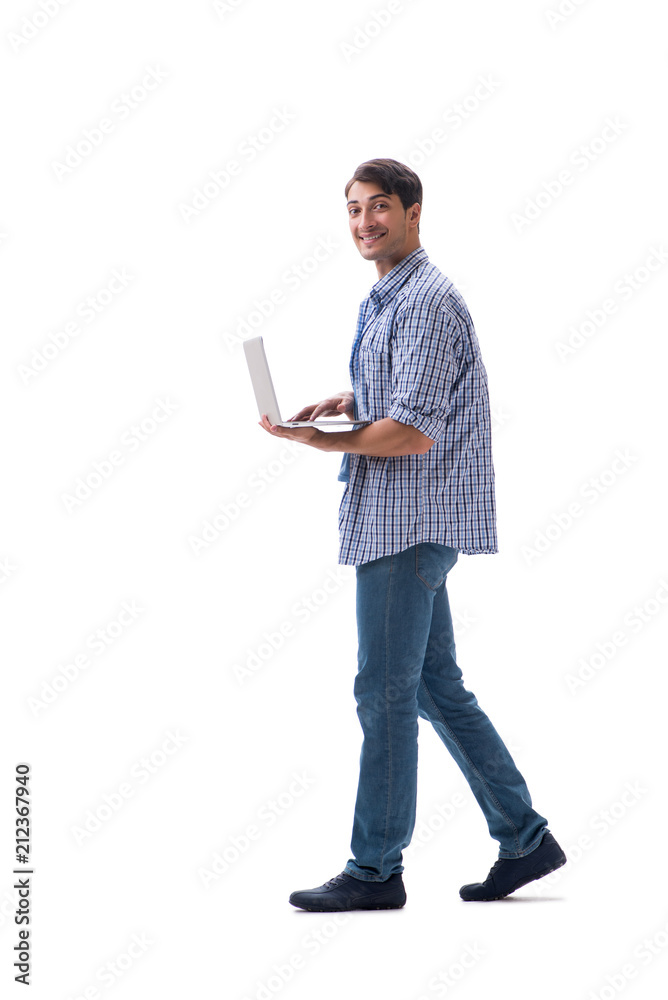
[529, 850]
[363, 878]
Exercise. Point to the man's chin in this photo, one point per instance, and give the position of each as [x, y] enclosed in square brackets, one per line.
[371, 252]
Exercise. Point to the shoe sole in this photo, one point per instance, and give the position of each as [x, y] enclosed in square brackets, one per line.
[532, 878]
[342, 909]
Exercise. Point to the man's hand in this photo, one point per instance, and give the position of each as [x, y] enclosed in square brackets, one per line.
[306, 435]
[342, 402]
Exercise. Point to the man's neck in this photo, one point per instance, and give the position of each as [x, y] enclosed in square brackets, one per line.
[384, 267]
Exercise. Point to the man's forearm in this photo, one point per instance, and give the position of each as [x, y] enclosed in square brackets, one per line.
[384, 438]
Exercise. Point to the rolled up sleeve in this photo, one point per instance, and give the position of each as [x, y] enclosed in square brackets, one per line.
[426, 359]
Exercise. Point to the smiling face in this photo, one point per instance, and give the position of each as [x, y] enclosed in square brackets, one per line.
[382, 229]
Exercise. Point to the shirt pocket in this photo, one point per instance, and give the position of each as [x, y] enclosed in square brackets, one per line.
[376, 377]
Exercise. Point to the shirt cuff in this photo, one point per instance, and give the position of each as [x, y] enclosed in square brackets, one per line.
[431, 426]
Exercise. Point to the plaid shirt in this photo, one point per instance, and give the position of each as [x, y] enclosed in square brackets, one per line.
[416, 358]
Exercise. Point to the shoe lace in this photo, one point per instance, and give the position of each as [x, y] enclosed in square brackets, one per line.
[497, 864]
[337, 879]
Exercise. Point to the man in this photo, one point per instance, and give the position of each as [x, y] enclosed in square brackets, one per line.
[419, 490]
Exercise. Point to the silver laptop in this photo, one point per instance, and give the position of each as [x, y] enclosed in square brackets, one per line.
[266, 397]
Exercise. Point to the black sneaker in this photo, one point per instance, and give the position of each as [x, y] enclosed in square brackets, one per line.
[344, 892]
[508, 874]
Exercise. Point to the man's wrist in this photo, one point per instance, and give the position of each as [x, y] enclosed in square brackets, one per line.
[326, 440]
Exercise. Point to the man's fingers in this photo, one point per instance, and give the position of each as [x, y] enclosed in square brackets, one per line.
[326, 408]
[266, 423]
[304, 413]
[308, 412]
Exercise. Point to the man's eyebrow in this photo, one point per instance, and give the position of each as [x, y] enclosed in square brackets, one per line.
[372, 197]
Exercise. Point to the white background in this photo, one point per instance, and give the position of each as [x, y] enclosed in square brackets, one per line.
[529, 617]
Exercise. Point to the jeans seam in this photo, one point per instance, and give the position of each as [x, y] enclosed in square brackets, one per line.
[434, 590]
[471, 764]
[388, 729]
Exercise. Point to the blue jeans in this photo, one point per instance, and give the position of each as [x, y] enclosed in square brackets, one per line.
[406, 668]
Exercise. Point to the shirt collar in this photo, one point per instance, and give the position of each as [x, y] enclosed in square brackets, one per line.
[388, 286]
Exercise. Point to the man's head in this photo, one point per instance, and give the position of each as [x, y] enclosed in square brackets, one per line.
[384, 206]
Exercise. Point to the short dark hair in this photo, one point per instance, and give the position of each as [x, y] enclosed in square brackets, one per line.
[393, 177]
